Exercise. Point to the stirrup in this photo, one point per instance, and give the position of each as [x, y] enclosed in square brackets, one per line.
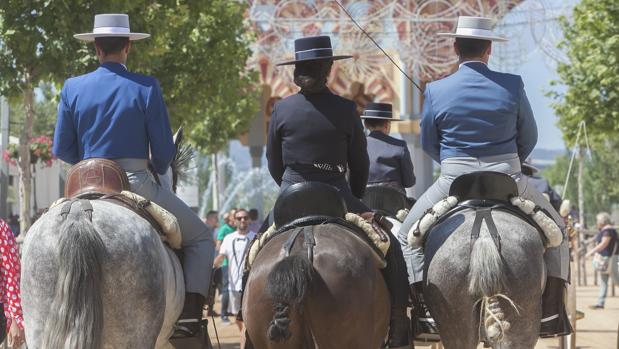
[187, 328]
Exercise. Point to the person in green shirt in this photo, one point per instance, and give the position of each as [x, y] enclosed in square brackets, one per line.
[227, 228]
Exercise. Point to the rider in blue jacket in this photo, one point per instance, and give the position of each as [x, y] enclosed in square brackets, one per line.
[478, 119]
[115, 114]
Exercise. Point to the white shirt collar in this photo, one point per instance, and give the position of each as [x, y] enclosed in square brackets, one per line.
[465, 62]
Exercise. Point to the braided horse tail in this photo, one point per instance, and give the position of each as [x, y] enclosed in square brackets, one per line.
[287, 286]
[487, 280]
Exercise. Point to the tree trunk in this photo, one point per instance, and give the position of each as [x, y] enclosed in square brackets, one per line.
[25, 175]
[581, 189]
[35, 205]
[215, 181]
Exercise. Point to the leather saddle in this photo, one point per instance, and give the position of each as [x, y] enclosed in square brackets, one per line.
[305, 204]
[95, 176]
[483, 192]
[306, 200]
[385, 200]
[485, 186]
[104, 179]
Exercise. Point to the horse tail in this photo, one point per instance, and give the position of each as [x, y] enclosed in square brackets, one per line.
[287, 286]
[487, 281]
[76, 312]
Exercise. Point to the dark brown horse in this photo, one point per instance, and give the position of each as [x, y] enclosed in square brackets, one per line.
[337, 300]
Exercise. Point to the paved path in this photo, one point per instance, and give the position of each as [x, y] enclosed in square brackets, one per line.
[598, 329]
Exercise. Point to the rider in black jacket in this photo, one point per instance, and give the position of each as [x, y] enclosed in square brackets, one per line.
[316, 135]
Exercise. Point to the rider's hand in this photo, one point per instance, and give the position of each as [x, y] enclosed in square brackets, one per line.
[16, 336]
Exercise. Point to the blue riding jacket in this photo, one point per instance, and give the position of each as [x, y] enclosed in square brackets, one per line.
[477, 112]
[113, 113]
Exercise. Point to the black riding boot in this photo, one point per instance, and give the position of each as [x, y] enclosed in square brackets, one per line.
[396, 278]
[555, 321]
[424, 327]
[190, 322]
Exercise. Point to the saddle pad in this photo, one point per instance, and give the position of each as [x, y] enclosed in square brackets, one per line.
[257, 244]
[545, 223]
[166, 220]
[377, 240]
[382, 246]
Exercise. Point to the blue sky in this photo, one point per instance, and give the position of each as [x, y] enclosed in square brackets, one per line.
[536, 68]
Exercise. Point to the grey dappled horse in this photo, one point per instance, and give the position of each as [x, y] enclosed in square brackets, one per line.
[461, 277]
[109, 283]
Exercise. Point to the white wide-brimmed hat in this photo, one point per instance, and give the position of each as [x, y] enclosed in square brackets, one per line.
[111, 25]
[474, 28]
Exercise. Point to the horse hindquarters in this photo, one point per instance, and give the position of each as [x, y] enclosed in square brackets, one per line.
[345, 306]
[130, 284]
[461, 276]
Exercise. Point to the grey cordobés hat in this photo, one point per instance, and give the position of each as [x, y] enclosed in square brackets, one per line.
[111, 25]
[474, 28]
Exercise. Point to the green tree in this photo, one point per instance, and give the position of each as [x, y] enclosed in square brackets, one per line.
[591, 78]
[601, 175]
[591, 42]
[45, 106]
[198, 51]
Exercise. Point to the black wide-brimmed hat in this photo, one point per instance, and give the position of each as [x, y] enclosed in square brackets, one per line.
[528, 168]
[313, 48]
[379, 111]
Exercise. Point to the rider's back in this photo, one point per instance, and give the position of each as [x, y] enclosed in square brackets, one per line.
[477, 112]
[113, 113]
[315, 128]
[318, 128]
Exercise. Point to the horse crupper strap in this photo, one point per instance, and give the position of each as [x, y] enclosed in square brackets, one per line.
[85, 204]
[309, 241]
[485, 214]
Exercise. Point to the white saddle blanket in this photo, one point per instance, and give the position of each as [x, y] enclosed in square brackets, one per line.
[551, 230]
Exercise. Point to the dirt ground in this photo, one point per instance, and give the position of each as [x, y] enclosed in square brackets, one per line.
[597, 330]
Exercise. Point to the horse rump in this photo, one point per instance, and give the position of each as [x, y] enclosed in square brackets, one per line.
[287, 286]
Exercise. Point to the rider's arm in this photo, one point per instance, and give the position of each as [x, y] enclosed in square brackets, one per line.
[162, 147]
[274, 149]
[358, 159]
[65, 138]
[430, 140]
[406, 166]
[527, 128]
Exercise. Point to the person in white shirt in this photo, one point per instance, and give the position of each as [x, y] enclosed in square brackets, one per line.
[234, 248]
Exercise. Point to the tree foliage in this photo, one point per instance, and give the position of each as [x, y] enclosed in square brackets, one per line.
[592, 74]
[198, 51]
[601, 175]
[45, 107]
